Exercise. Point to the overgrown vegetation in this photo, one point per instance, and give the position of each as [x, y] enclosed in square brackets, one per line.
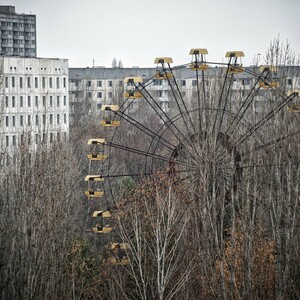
[187, 240]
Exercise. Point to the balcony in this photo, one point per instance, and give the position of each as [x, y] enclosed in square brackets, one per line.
[26, 29]
[18, 46]
[6, 52]
[5, 44]
[6, 27]
[6, 35]
[30, 38]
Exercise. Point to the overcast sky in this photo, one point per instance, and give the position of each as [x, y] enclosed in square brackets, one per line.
[137, 31]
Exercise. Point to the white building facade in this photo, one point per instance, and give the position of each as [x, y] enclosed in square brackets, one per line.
[34, 97]
[90, 88]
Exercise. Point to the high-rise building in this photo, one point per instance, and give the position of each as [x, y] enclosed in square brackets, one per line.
[17, 33]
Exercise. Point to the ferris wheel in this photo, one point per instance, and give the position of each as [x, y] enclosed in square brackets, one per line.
[215, 123]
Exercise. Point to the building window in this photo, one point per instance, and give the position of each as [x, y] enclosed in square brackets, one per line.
[36, 101]
[51, 137]
[65, 82]
[57, 119]
[36, 120]
[109, 83]
[7, 121]
[57, 82]
[44, 101]
[89, 94]
[13, 101]
[7, 140]
[159, 93]
[194, 82]
[58, 136]
[289, 81]
[109, 94]
[21, 82]
[13, 82]
[183, 82]
[89, 83]
[245, 81]
[21, 121]
[65, 100]
[13, 121]
[99, 105]
[44, 138]
[6, 82]
[14, 140]
[44, 119]
[29, 120]
[99, 83]
[21, 101]
[36, 138]
[51, 119]
[43, 82]
[57, 101]
[6, 101]
[51, 101]
[99, 95]
[36, 82]
[158, 82]
[28, 82]
[28, 101]
[50, 82]
[65, 119]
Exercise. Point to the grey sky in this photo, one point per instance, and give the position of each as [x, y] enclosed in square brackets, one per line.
[138, 31]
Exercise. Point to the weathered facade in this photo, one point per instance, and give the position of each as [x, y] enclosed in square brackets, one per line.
[17, 33]
[34, 101]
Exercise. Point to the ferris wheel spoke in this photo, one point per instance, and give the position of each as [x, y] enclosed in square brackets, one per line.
[143, 153]
[159, 111]
[243, 108]
[137, 151]
[259, 148]
[265, 119]
[158, 138]
[225, 104]
[146, 130]
[262, 122]
[184, 112]
[144, 174]
[226, 78]
[199, 64]
[219, 104]
[271, 143]
[168, 122]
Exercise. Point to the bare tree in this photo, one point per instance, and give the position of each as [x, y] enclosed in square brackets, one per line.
[38, 217]
[114, 63]
[155, 226]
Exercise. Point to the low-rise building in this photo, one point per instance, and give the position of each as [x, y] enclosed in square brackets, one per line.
[90, 88]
